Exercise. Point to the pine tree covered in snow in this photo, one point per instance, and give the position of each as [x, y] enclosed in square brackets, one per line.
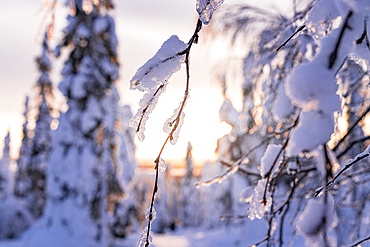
[30, 180]
[83, 180]
[14, 218]
[4, 170]
[299, 126]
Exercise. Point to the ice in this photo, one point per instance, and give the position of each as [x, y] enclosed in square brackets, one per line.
[174, 123]
[257, 208]
[206, 8]
[161, 66]
[268, 160]
[246, 195]
[162, 165]
[150, 216]
[147, 105]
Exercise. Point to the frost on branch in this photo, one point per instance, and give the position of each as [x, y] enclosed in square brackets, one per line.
[160, 68]
[206, 8]
[147, 105]
[174, 123]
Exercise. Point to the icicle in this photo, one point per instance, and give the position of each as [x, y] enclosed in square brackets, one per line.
[147, 105]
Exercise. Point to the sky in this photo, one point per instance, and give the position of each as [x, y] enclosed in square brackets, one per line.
[141, 26]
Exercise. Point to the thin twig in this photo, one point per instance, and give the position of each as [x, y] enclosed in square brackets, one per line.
[333, 55]
[351, 128]
[350, 145]
[298, 30]
[186, 52]
[359, 242]
[357, 159]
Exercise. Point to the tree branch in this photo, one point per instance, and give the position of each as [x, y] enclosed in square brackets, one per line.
[333, 55]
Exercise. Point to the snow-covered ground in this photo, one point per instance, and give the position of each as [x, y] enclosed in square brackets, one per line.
[219, 237]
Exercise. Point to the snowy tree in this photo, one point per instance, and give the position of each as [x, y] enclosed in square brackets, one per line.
[14, 218]
[82, 173]
[190, 201]
[30, 178]
[4, 170]
[290, 137]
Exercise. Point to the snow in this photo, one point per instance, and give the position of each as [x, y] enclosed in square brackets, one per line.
[100, 25]
[268, 159]
[316, 217]
[161, 66]
[315, 128]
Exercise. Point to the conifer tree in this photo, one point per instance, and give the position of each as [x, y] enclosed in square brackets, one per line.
[36, 144]
[82, 180]
[4, 169]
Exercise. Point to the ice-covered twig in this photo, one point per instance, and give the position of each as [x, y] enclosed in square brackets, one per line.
[364, 36]
[333, 55]
[350, 163]
[268, 174]
[351, 144]
[351, 128]
[176, 121]
[360, 242]
[298, 30]
[234, 167]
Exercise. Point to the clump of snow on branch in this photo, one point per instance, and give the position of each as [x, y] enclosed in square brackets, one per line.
[317, 216]
[268, 160]
[206, 8]
[160, 68]
[153, 78]
[316, 92]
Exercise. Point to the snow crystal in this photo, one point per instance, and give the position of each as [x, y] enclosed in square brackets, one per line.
[206, 8]
[147, 105]
[162, 165]
[174, 123]
[268, 160]
[160, 67]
